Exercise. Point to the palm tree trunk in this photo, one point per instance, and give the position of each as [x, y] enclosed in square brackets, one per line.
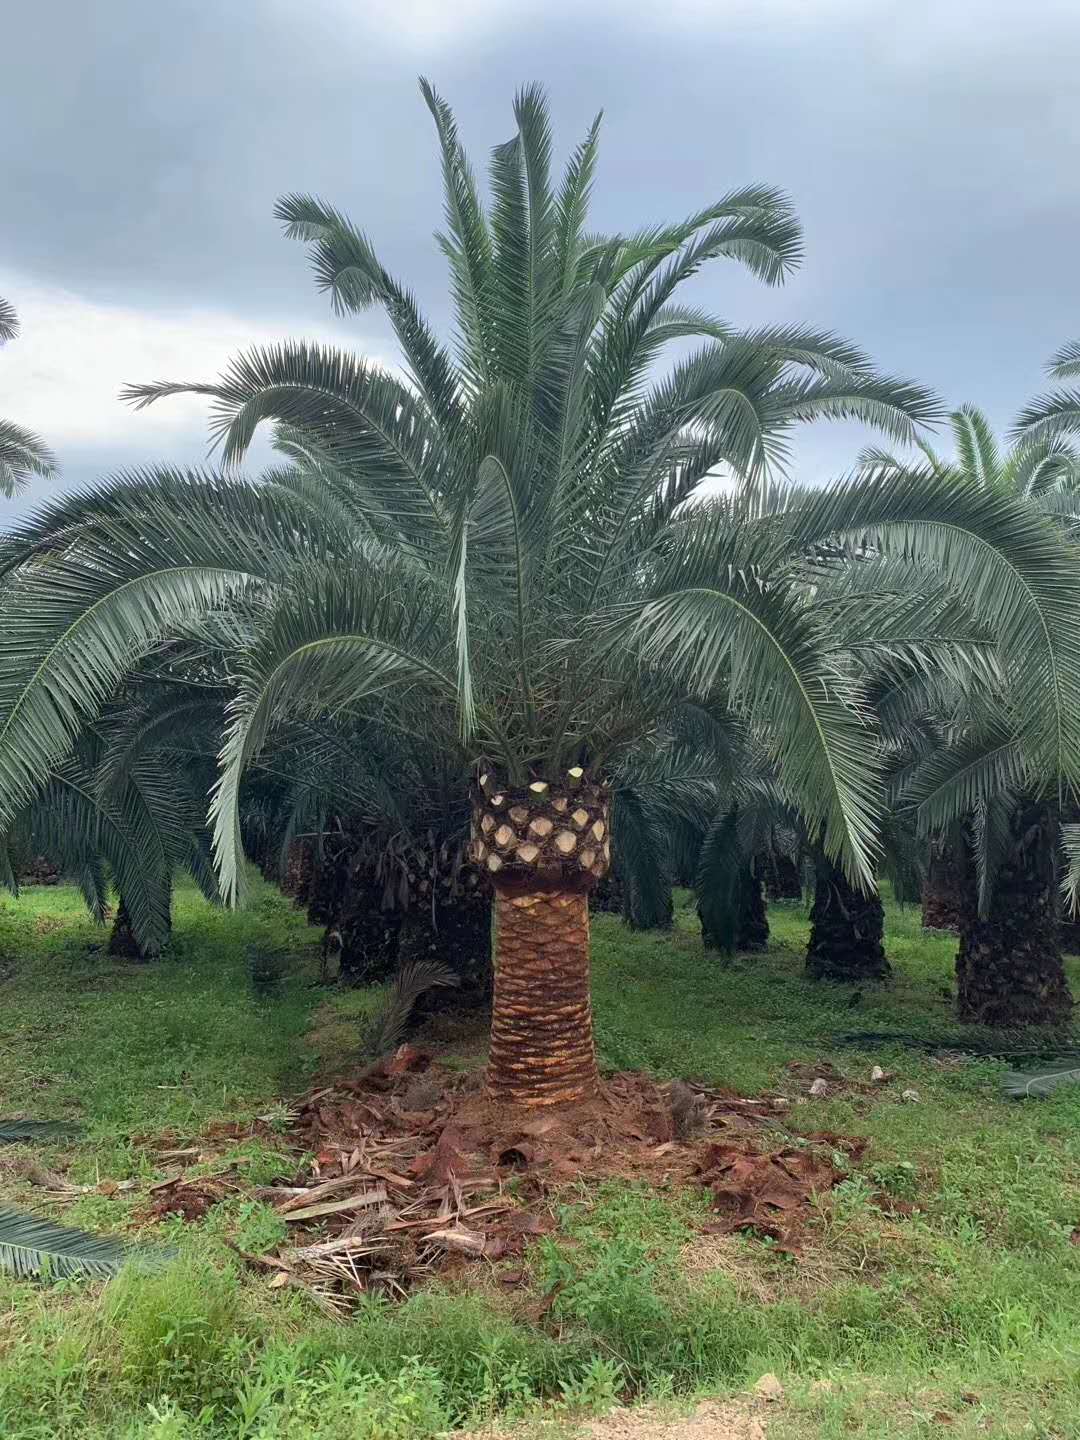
[542, 1048]
[752, 927]
[122, 941]
[943, 892]
[846, 929]
[544, 847]
[122, 938]
[1008, 968]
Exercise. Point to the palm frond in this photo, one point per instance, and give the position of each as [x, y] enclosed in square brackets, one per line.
[9, 321]
[976, 445]
[346, 266]
[1054, 413]
[1006, 561]
[33, 1247]
[22, 1132]
[412, 981]
[333, 639]
[713, 623]
[466, 244]
[640, 845]
[1065, 363]
[23, 455]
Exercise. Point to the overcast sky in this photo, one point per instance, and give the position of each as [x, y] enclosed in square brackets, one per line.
[931, 150]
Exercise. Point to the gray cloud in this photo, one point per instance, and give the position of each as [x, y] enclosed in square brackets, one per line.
[930, 149]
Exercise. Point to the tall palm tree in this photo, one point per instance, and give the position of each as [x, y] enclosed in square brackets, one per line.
[22, 453]
[497, 545]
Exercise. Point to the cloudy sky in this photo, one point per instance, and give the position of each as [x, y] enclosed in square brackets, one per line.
[931, 150]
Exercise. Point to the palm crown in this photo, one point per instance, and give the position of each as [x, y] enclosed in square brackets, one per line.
[503, 529]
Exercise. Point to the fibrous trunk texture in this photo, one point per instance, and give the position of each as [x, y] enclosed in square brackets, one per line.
[1008, 967]
[542, 1050]
[544, 847]
[943, 892]
[846, 929]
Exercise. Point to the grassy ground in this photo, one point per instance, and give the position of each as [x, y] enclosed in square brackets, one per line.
[963, 1320]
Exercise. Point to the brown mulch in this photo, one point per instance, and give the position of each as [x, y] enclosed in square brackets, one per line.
[414, 1170]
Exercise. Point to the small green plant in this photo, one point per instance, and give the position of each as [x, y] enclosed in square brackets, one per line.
[597, 1387]
[898, 1177]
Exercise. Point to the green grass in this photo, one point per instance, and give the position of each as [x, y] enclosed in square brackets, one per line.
[977, 1297]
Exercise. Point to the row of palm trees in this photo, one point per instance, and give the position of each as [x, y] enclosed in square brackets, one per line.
[486, 630]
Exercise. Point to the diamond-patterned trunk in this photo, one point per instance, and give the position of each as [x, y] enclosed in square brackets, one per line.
[544, 847]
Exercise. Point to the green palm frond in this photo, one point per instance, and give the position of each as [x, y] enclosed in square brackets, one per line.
[711, 622]
[1041, 467]
[22, 1132]
[1065, 363]
[641, 847]
[1054, 413]
[334, 639]
[466, 243]
[1005, 560]
[413, 980]
[23, 455]
[1070, 880]
[346, 266]
[976, 446]
[33, 1247]
[74, 825]
[361, 415]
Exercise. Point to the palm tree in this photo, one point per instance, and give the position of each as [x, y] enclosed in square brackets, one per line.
[497, 546]
[989, 800]
[22, 453]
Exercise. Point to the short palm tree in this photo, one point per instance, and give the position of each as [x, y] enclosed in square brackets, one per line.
[22, 453]
[989, 801]
[498, 545]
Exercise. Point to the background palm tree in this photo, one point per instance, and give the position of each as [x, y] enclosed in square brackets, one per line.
[22, 453]
[977, 786]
